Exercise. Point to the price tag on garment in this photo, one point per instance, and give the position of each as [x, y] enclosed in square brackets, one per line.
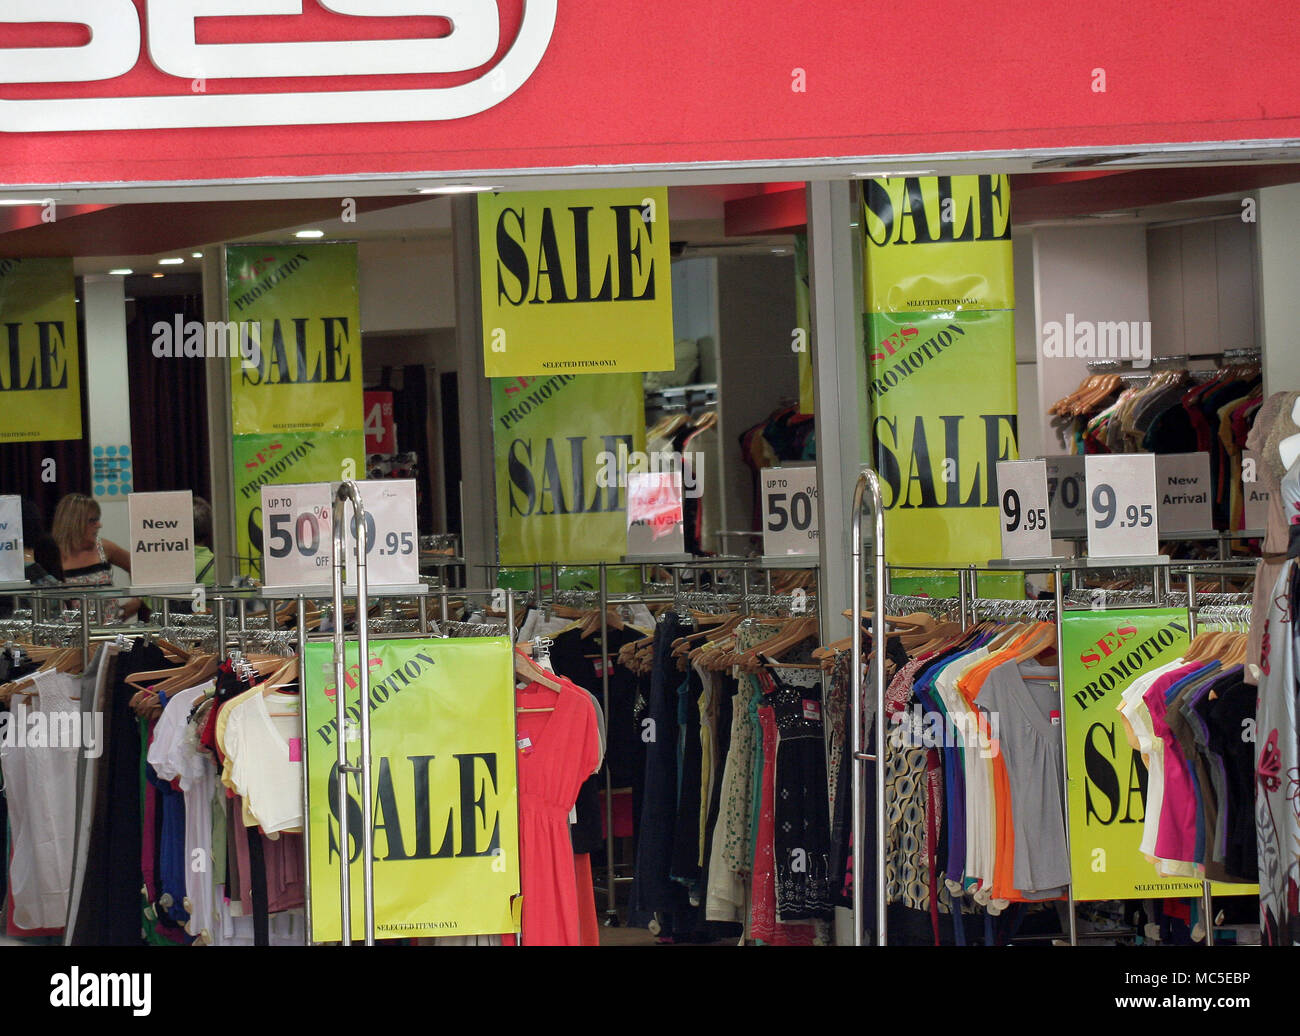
[1183, 487]
[392, 547]
[297, 534]
[1022, 495]
[655, 518]
[1255, 490]
[1122, 506]
[1067, 503]
[12, 568]
[162, 538]
[790, 511]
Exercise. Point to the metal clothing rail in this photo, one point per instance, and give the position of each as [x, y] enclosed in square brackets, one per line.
[866, 493]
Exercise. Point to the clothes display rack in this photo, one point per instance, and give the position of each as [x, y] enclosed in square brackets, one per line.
[1232, 609]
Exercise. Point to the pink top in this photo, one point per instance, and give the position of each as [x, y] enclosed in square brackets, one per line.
[1176, 835]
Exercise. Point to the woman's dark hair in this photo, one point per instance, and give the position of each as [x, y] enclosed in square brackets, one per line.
[45, 552]
[202, 522]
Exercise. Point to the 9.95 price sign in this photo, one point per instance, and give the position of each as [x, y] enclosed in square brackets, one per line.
[790, 511]
[1122, 506]
[298, 534]
[392, 549]
[1022, 496]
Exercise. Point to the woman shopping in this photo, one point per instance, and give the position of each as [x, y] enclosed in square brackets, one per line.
[88, 560]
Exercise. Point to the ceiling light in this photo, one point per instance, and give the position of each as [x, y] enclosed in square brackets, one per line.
[196, 255]
[14, 202]
[157, 275]
[170, 262]
[310, 233]
[885, 174]
[120, 273]
[457, 188]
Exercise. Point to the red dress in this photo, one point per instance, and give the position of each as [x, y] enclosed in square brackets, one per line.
[557, 752]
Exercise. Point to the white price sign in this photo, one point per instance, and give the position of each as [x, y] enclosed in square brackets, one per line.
[1067, 495]
[654, 513]
[790, 511]
[12, 568]
[1183, 481]
[1122, 506]
[162, 538]
[1022, 495]
[297, 534]
[392, 546]
[1256, 491]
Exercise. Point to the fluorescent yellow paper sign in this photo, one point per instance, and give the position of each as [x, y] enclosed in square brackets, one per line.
[576, 282]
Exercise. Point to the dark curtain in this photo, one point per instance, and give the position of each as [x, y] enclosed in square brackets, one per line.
[24, 468]
[411, 416]
[169, 404]
[451, 449]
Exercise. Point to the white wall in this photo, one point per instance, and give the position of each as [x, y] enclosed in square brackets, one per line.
[1095, 273]
[1279, 306]
[108, 420]
[406, 285]
[1030, 418]
[1202, 287]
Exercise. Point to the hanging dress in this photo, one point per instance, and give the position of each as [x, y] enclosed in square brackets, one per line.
[557, 752]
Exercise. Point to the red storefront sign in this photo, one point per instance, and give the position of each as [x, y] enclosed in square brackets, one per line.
[591, 83]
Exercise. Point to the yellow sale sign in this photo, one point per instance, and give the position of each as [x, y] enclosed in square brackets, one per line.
[576, 282]
[444, 783]
[40, 370]
[938, 243]
[300, 303]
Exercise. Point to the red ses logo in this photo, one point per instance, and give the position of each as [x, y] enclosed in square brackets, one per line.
[191, 62]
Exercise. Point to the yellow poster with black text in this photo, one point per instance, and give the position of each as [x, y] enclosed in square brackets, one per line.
[942, 389]
[803, 322]
[283, 459]
[560, 482]
[1104, 654]
[444, 785]
[576, 282]
[938, 243]
[302, 372]
[40, 370]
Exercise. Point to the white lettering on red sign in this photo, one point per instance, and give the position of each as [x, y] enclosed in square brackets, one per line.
[171, 42]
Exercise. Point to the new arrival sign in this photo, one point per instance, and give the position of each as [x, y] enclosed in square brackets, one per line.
[576, 281]
[445, 810]
[40, 382]
[1105, 652]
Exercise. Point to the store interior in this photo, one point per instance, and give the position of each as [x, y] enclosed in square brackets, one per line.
[1174, 249]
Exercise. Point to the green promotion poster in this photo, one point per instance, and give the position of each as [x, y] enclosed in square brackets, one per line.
[297, 392]
[803, 318]
[558, 443]
[942, 388]
[445, 786]
[302, 302]
[1104, 653]
[284, 459]
[40, 377]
